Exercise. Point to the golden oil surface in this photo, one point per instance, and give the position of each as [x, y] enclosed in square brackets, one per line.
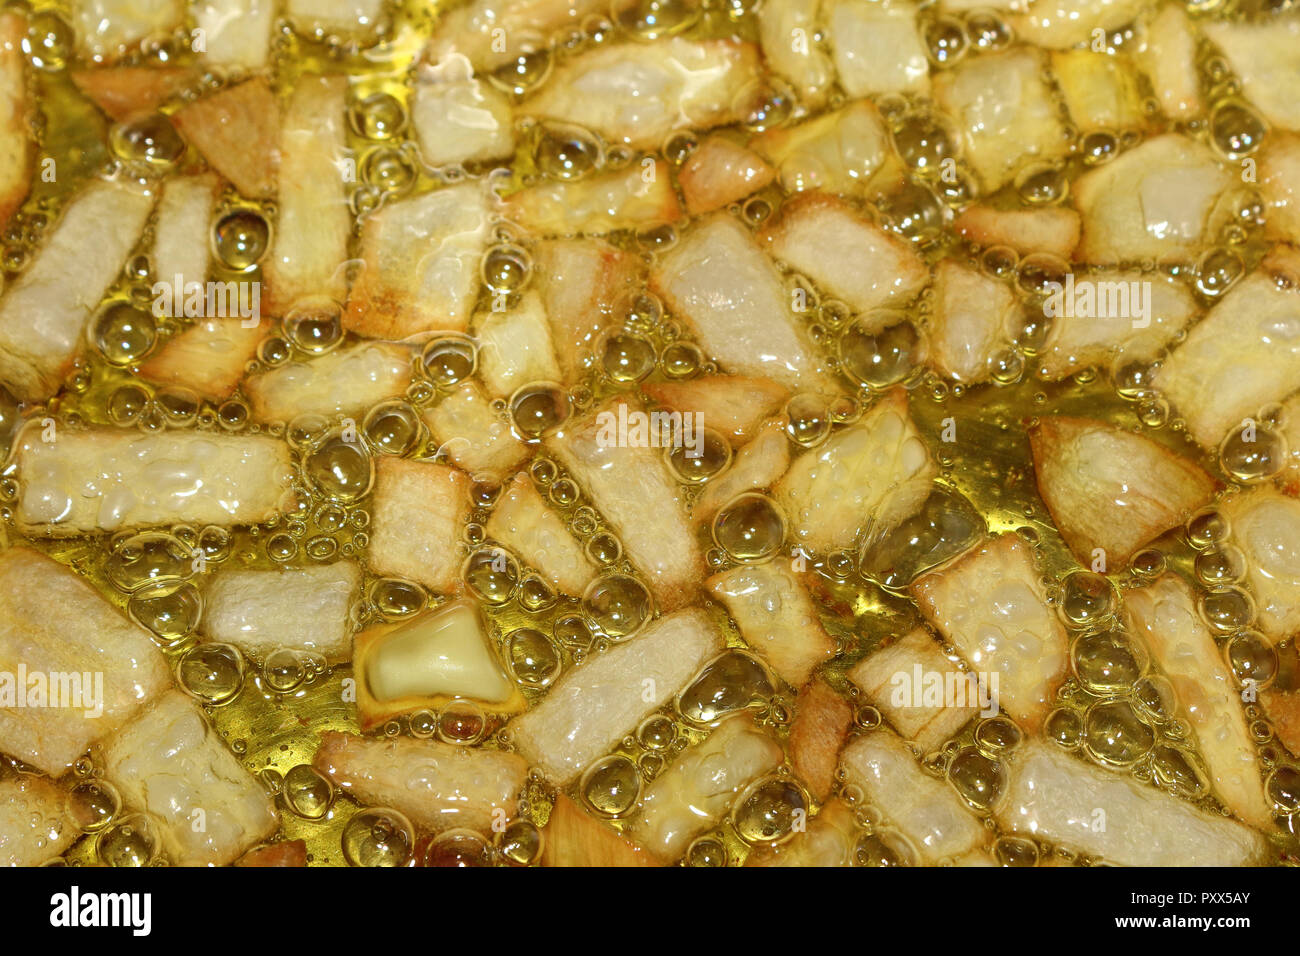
[274, 732]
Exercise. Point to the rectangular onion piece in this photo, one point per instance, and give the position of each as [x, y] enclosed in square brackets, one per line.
[870, 475]
[123, 92]
[1243, 355]
[209, 357]
[309, 249]
[419, 510]
[349, 18]
[473, 435]
[991, 605]
[878, 48]
[492, 33]
[849, 257]
[1054, 796]
[300, 608]
[1164, 617]
[734, 405]
[972, 322]
[347, 381]
[1054, 229]
[1265, 525]
[437, 786]
[1004, 112]
[720, 172]
[106, 479]
[522, 522]
[457, 117]
[847, 151]
[1100, 92]
[43, 314]
[575, 838]
[822, 718]
[237, 130]
[787, 31]
[889, 679]
[756, 466]
[598, 702]
[1111, 491]
[421, 264]
[1068, 23]
[17, 147]
[1266, 57]
[640, 92]
[170, 763]
[236, 33]
[54, 624]
[181, 237]
[1166, 53]
[925, 810]
[1279, 186]
[34, 826]
[1078, 340]
[776, 617]
[693, 793]
[626, 479]
[634, 197]
[829, 840]
[582, 282]
[105, 28]
[717, 278]
[514, 346]
[1154, 201]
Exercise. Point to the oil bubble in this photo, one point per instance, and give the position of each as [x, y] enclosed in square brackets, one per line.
[241, 238]
[627, 358]
[151, 140]
[531, 657]
[307, 792]
[539, 408]
[340, 470]
[732, 682]
[706, 456]
[458, 848]
[379, 116]
[396, 599]
[151, 557]
[170, 610]
[492, 574]
[393, 428]
[124, 334]
[378, 837]
[769, 810]
[807, 419]
[1115, 734]
[1106, 663]
[611, 786]
[1087, 598]
[1252, 657]
[315, 325]
[520, 843]
[750, 528]
[130, 842]
[567, 152]
[213, 673]
[93, 804]
[284, 670]
[878, 355]
[616, 605]
[977, 779]
[449, 360]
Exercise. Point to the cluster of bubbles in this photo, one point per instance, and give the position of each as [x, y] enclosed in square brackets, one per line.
[766, 813]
